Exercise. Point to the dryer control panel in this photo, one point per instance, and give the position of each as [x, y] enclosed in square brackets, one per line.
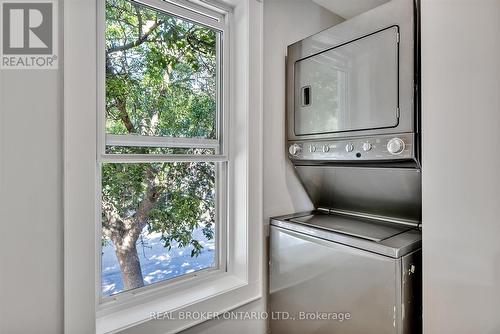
[375, 148]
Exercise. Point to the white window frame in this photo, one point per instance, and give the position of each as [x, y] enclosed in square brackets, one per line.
[217, 21]
[242, 280]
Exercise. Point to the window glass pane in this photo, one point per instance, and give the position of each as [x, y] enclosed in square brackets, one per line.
[158, 222]
[161, 73]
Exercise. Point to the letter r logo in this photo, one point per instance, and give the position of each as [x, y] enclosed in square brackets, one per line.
[27, 28]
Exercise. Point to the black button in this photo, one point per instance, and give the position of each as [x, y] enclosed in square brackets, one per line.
[358, 155]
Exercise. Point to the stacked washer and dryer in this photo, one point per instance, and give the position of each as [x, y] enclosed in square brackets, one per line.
[353, 265]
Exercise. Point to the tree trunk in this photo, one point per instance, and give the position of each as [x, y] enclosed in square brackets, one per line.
[130, 267]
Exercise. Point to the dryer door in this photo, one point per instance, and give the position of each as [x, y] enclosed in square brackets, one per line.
[350, 87]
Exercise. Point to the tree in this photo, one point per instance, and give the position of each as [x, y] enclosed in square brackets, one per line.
[160, 81]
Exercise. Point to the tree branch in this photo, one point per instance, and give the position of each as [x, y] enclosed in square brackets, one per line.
[142, 38]
[113, 225]
[139, 19]
[121, 105]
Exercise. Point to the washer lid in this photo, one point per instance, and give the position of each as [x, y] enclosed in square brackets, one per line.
[354, 226]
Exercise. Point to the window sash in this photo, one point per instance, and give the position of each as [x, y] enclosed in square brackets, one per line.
[123, 298]
[213, 18]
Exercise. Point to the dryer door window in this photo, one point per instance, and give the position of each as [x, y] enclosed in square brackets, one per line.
[350, 87]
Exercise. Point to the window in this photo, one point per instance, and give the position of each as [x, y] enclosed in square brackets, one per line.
[236, 275]
[162, 163]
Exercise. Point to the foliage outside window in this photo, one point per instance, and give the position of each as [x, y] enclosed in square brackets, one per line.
[159, 218]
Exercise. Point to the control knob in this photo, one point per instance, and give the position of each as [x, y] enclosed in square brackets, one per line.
[294, 149]
[367, 146]
[349, 147]
[395, 146]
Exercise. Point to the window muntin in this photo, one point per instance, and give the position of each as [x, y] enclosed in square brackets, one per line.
[159, 150]
[151, 141]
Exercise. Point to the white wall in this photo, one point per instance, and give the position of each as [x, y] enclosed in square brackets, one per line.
[234, 326]
[350, 8]
[285, 22]
[31, 245]
[461, 165]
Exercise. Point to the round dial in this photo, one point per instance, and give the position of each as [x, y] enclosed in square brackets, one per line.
[349, 147]
[367, 146]
[294, 149]
[395, 146]
[326, 148]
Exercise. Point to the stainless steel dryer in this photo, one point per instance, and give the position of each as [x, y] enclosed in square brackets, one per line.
[352, 90]
[353, 138]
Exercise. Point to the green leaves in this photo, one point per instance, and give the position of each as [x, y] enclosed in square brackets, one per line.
[186, 197]
[164, 72]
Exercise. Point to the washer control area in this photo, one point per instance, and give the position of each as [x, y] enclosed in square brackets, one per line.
[387, 147]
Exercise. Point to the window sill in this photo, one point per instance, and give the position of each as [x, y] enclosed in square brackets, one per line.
[218, 292]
